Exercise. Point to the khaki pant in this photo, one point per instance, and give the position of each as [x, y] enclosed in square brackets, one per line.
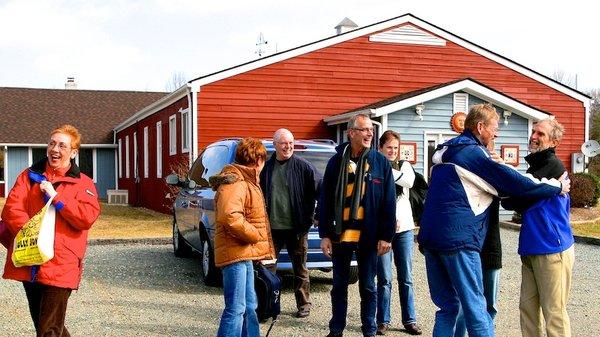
[545, 286]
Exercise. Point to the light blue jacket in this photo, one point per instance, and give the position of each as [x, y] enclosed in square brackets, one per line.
[546, 228]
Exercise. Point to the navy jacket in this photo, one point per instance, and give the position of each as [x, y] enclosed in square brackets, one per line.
[300, 178]
[379, 201]
[462, 186]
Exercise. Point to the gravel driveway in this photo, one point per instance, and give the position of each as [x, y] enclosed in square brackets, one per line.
[143, 290]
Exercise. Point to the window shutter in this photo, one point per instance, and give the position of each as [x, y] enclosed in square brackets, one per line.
[461, 103]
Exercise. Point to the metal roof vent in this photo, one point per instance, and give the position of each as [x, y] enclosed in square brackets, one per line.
[345, 26]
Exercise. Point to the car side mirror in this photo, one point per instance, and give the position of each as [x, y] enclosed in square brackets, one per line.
[173, 179]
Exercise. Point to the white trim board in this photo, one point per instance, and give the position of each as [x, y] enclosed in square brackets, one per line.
[468, 86]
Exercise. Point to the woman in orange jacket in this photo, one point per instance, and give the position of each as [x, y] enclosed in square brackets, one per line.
[242, 235]
[49, 285]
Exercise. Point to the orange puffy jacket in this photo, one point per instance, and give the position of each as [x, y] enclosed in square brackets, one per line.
[242, 225]
[77, 208]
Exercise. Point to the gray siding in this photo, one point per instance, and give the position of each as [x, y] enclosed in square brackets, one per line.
[17, 160]
[105, 161]
[436, 119]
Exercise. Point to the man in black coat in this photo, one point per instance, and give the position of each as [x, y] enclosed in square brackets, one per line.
[288, 183]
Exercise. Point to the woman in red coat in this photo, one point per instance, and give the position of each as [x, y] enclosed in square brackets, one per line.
[49, 285]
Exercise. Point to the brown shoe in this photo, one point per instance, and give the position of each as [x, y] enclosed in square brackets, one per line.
[413, 329]
[303, 312]
[382, 328]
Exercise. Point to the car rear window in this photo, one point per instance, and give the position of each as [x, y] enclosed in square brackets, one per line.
[318, 159]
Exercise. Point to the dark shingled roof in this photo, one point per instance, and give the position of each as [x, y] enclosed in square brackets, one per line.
[28, 115]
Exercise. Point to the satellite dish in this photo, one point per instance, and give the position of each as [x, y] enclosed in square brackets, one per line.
[591, 148]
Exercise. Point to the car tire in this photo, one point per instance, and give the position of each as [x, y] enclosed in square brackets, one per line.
[180, 248]
[210, 274]
[353, 276]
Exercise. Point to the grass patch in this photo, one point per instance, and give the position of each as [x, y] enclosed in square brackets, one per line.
[591, 229]
[130, 222]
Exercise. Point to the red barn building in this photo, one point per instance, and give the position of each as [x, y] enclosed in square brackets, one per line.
[373, 69]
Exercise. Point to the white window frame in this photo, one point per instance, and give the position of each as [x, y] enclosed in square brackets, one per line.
[120, 158]
[146, 152]
[94, 164]
[172, 135]
[185, 130]
[135, 156]
[159, 149]
[127, 156]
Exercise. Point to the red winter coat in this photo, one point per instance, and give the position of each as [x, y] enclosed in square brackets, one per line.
[77, 208]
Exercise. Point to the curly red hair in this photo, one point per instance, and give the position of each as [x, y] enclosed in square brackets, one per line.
[249, 151]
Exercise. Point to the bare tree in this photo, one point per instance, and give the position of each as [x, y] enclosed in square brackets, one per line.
[594, 165]
[566, 79]
[177, 80]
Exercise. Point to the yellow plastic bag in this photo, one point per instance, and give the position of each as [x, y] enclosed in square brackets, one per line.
[34, 243]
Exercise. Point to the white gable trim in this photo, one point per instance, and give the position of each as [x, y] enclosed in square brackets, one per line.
[408, 34]
[472, 88]
[467, 86]
[407, 18]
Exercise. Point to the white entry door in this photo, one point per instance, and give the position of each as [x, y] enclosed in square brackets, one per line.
[432, 141]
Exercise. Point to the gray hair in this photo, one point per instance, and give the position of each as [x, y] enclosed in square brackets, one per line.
[353, 119]
[556, 129]
[279, 133]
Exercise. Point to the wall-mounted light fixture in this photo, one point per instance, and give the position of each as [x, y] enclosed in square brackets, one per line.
[506, 115]
[419, 108]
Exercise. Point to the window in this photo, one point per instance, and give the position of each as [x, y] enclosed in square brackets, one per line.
[127, 156]
[2, 150]
[172, 135]
[135, 156]
[38, 153]
[210, 162]
[120, 155]
[185, 131]
[146, 170]
[86, 161]
[158, 150]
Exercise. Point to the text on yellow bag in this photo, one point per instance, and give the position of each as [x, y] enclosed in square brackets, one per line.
[34, 243]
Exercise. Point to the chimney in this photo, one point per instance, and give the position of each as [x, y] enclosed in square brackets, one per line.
[345, 26]
[70, 83]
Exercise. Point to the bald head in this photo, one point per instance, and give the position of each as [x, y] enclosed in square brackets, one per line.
[283, 140]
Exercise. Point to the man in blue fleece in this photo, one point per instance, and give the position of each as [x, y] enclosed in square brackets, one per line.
[545, 242]
[463, 183]
[357, 214]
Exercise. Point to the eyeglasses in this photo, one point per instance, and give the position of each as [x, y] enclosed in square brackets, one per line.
[61, 146]
[364, 130]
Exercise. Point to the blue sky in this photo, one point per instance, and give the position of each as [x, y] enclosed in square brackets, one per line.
[141, 45]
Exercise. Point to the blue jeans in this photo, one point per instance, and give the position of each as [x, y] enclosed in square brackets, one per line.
[402, 248]
[491, 279]
[239, 316]
[367, 268]
[455, 281]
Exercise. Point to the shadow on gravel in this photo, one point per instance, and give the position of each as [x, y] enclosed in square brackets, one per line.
[154, 267]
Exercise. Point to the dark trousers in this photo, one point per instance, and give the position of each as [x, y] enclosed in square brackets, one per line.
[297, 247]
[367, 269]
[48, 307]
